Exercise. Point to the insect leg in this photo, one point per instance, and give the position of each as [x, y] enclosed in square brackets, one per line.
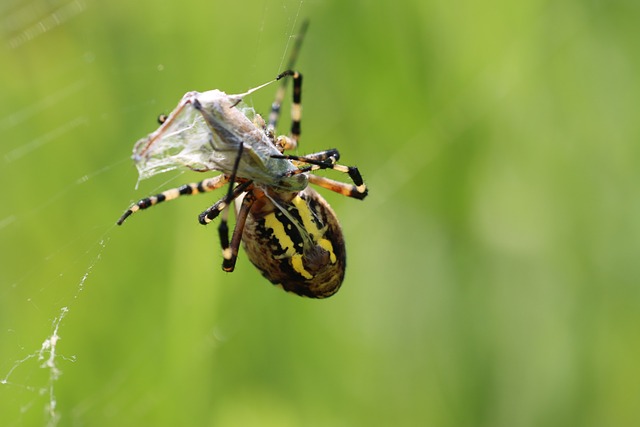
[203, 186]
[166, 122]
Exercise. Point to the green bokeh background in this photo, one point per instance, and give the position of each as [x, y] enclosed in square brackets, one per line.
[493, 275]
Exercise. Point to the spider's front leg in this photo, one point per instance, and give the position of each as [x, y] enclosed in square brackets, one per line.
[204, 186]
[229, 248]
[327, 160]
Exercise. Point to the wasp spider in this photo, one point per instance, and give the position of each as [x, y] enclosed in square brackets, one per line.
[289, 232]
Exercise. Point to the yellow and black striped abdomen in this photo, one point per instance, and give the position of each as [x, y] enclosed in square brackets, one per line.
[297, 244]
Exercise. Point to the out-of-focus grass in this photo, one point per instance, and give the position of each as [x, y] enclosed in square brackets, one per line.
[492, 274]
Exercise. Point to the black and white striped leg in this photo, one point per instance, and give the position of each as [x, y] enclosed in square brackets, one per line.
[320, 160]
[214, 211]
[204, 186]
[296, 110]
[221, 207]
[327, 160]
[223, 228]
[229, 249]
[280, 93]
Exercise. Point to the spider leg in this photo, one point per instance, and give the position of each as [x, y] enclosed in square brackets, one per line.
[277, 101]
[203, 186]
[230, 249]
[288, 143]
[230, 252]
[274, 115]
[349, 190]
[320, 160]
[327, 160]
[212, 212]
[223, 229]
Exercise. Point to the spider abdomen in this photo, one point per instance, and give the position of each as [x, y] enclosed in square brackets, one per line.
[297, 242]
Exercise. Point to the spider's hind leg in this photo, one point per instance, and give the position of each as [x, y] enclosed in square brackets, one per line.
[291, 142]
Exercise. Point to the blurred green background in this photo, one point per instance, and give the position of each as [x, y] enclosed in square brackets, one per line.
[493, 274]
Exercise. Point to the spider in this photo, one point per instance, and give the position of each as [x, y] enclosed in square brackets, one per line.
[289, 231]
